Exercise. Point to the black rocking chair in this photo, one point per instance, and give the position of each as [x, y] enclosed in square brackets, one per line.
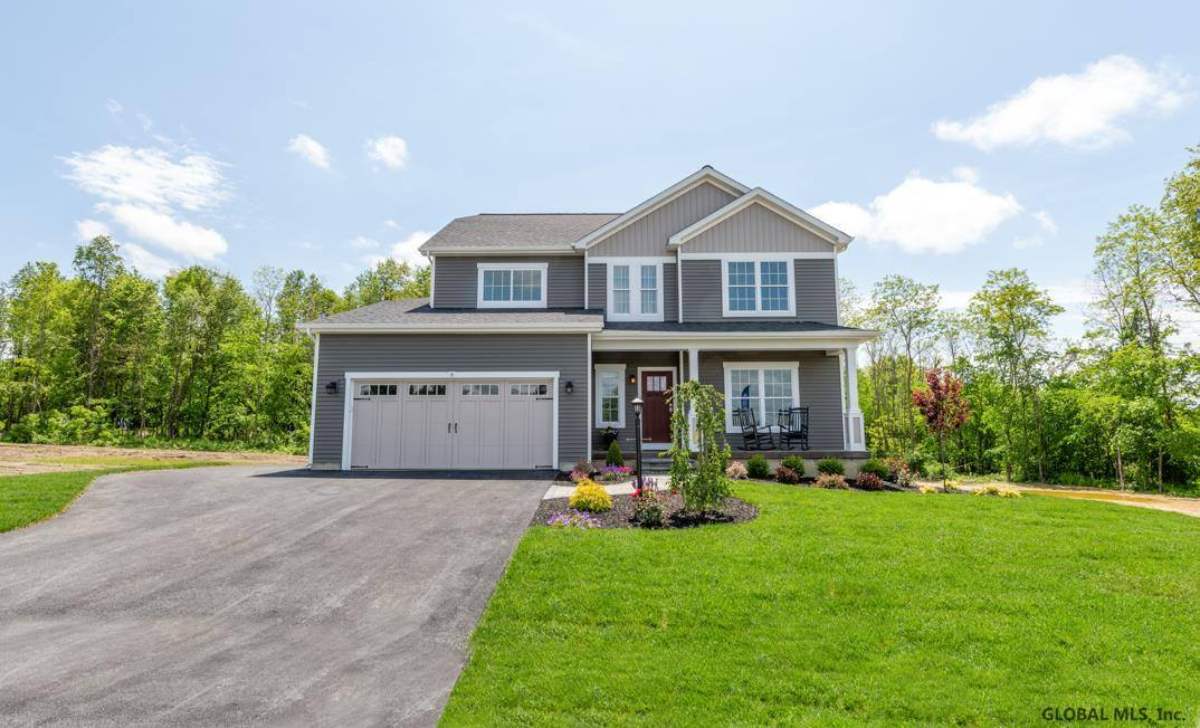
[793, 426]
[754, 435]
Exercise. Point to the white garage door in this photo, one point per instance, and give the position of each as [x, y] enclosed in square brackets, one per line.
[453, 424]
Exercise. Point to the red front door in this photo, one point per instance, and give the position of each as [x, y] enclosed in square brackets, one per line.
[656, 412]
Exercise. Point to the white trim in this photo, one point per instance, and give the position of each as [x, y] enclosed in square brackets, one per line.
[635, 286]
[440, 327]
[432, 280]
[591, 389]
[842, 374]
[757, 259]
[586, 282]
[727, 340]
[728, 366]
[793, 256]
[704, 175]
[493, 251]
[837, 293]
[481, 268]
[679, 287]
[352, 377]
[619, 369]
[674, 380]
[623, 259]
[783, 208]
[312, 415]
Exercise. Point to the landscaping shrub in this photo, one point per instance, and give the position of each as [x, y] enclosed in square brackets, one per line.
[591, 497]
[898, 471]
[875, 467]
[952, 485]
[584, 465]
[648, 509]
[736, 470]
[998, 490]
[758, 467]
[614, 473]
[573, 519]
[77, 425]
[869, 481]
[578, 475]
[916, 465]
[698, 460]
[935, 471]
[784, 474]
[794, 462]
[831, 466]
[832, 481]
[927, 489]
[614, 456]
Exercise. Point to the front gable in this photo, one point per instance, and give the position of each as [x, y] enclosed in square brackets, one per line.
[759, 222]
[645, 229]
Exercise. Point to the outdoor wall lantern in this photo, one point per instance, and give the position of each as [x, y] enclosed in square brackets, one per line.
[633, 379]
[331, 387]
[570, 387]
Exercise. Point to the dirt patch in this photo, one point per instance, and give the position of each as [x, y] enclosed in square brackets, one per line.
[733, 510]
[1186, 506]
[18, 459]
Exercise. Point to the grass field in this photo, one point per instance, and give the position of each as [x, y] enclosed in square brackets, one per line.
[27, 499]
[845, 608]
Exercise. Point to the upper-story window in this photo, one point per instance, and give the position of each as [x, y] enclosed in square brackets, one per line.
[635, 290]
[512, 285]
[758, 287]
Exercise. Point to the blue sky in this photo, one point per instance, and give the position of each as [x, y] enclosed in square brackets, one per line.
[951, 140]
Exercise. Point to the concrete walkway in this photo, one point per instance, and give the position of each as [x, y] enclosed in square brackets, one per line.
[246, 596]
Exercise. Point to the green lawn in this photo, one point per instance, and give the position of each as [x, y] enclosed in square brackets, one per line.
[845, 608]
[26, 499]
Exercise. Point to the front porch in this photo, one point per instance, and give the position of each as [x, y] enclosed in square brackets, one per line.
[765, 374]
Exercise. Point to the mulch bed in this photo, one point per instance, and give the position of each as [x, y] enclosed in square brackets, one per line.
[733, 510]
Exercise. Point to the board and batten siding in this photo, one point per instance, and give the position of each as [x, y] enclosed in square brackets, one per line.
[340, 353]
[816, 292]
[598, 288]
[456, 283]
[648, 235]
[757, 229]
[820, 390]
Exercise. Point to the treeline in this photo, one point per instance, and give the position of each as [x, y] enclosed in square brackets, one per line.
[1118, 407]
[104, 355]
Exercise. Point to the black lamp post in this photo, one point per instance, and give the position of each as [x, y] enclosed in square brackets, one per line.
[637, 433]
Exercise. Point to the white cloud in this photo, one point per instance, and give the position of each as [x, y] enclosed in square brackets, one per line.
[405, 251]
[1046, 222]
[161, 229]
[149, 176]
[114, 107]
[364, 243]
[147, 263]
[390, 151]
[309, 149]
[391, 224]
[88, 230]
[921, 215]
[1082, 110]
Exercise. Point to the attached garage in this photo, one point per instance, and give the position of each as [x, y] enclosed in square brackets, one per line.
[451, 420]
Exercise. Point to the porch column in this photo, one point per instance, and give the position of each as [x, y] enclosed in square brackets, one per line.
[855, 437]
[693, 374]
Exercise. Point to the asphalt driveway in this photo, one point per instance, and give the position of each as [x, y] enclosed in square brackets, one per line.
[236, 596]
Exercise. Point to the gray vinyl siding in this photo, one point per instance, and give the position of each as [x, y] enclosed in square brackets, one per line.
[598, 288]
[597, 285]
[632, 360]
[648, 235]
[820, 390]
[456, 282]
[757, 229]
[816, 292]
[340, 353]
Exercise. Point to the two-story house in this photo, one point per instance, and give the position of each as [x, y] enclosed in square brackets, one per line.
[541, 330]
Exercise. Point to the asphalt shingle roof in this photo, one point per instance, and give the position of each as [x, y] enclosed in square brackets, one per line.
[415, 313]
[527, 230]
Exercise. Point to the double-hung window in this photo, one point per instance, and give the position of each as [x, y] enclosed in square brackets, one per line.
[610, 395]
[512, 285]
[766, 388]
[758, 287]
[635, 290]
